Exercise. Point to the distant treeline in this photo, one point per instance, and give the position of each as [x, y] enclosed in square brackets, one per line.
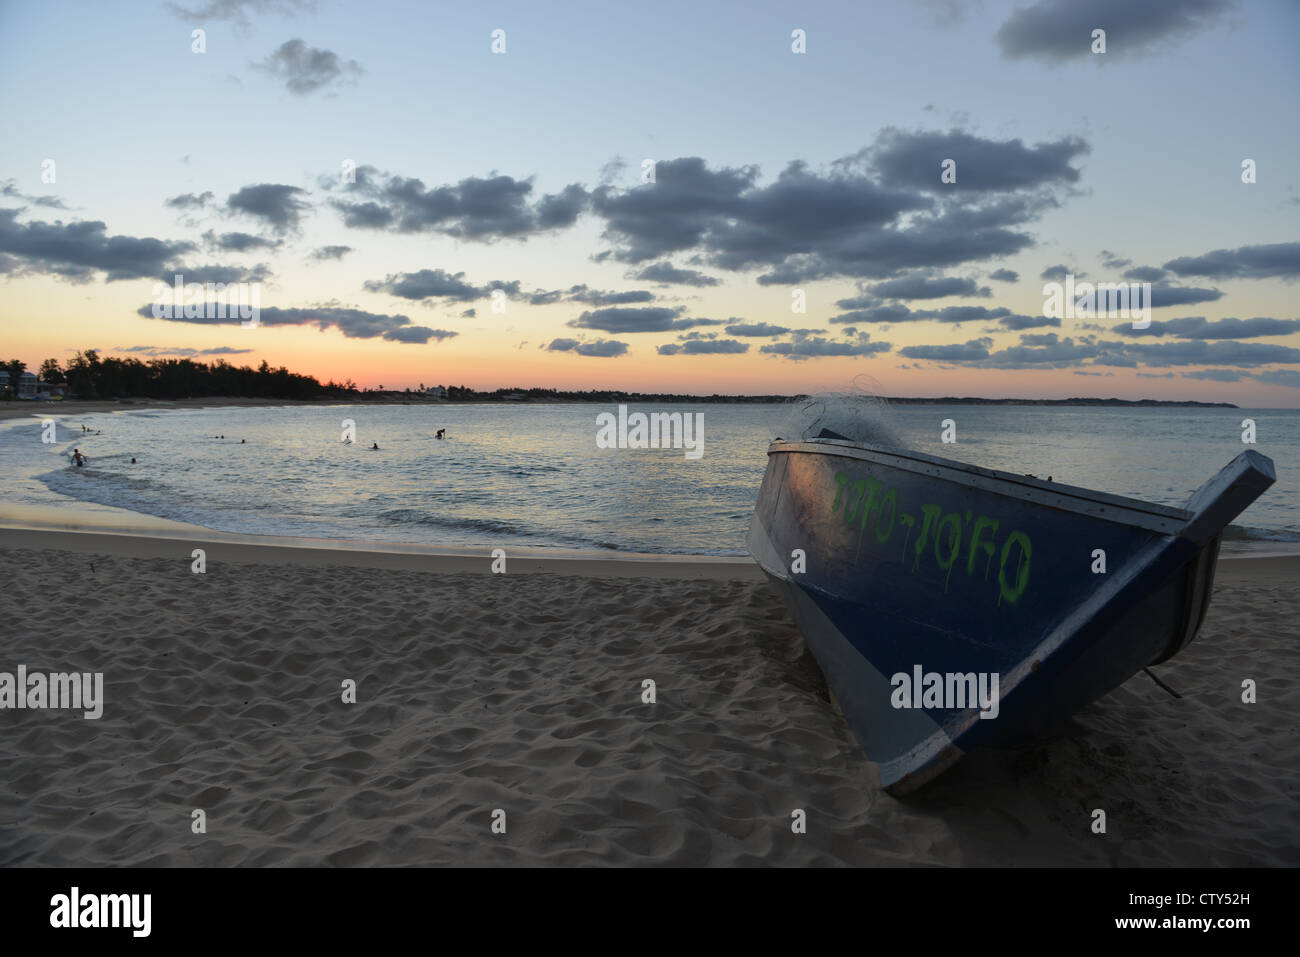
[88, 376]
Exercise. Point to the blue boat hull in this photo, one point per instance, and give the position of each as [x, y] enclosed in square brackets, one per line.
[900, 564]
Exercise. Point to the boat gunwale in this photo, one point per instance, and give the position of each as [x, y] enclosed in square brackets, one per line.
[1160, 518]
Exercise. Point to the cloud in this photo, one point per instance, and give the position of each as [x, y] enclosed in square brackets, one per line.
[276, 205]
[922, 287]
[189, 353]
[1004, 275]
[893, 312]
[702, 347]
[480, 210]
[239, 242]
[235, 11]
[1290, 377]
[1113, 260]
[634, 319]
[215, 272]
[982, 164]
[1171, 294]
[870, 215]
[303, 69]
[353, 323]
[668, 274]
[1145, 273]
[591, 297]
[601, 348]
[10, 189]
[1245, 262]
[189, 200]
[1217, 375]
[437, 284]
[1197, 327]
[756, 329]
[974, 349]
[1058, 273]
[77, 251]
[1054, 31]
[326, 253]
[1229, 353]
[961, 313]
[816, 347]
[1029, 322]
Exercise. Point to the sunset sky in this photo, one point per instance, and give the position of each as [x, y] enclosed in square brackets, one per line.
[775, 171]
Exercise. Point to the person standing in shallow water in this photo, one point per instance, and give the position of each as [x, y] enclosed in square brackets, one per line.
[78, 458]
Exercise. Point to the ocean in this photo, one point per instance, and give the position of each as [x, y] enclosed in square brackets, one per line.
[533, 475]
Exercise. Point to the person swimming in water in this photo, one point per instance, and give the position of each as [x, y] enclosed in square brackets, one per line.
[442, 434]
[78, 458]
[375, 447]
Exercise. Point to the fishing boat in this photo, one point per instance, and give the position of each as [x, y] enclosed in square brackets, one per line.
[921, 584]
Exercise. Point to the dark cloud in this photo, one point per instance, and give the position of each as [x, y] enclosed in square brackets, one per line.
[10, 190]
[1217, 375]
[325, 253]
[893, 312]
[235, 11]
[1058, 273]
[756, 329]
[276, 205]
[1289, 377]
[815, 347]
[1275, 260]
[974, 349]
[189, 200]
[165, 351]
[1172, 294]
[1198, 352]
[1114, 261]
[1004, 275]
[1145, 274]
[215, 272]
[1039, 351]
[239, 242]
[668, 274]
[588, 296]
[601, 348]
[1198, 327]
[1054, 31]
[437, 284]
[982, 164]
[632, 319]
[1029, 322]
[870, 215]
[353, 323]
[961, 313]
[558, 210]
[481, 210]
[79, 250]
[922, 287]
[303, 69]
[704, 347]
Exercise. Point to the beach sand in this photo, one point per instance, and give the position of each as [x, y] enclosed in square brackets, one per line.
[523, 692]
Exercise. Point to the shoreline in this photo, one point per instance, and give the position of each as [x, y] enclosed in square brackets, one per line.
[172, 539]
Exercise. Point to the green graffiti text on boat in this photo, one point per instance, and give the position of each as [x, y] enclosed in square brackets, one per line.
[939, 538]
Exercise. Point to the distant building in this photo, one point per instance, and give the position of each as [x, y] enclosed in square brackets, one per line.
[513, 397]
[51, 390]
[27, 386]
[4, 381]
[436, 392]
